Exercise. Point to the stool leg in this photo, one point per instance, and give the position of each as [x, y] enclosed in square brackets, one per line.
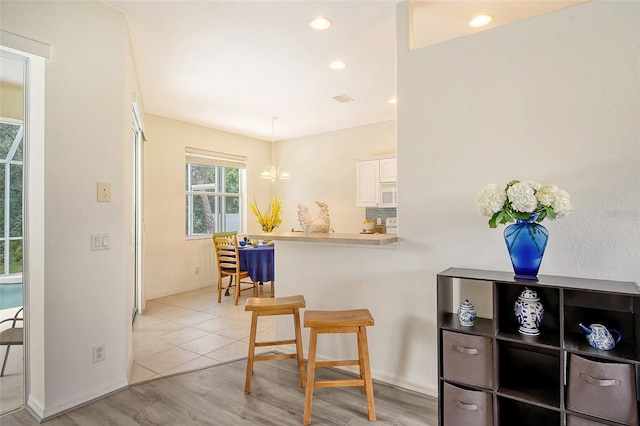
[363, 388]
[311, 372]
[252, 350]
[219, 290]
[299, 352]
[364, 360]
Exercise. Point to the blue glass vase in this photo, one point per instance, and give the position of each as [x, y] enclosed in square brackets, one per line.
[526, 241]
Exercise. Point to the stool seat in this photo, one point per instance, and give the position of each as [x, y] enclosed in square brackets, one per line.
[331, 322]
[271, 303]
[351, 318]
[270, 306]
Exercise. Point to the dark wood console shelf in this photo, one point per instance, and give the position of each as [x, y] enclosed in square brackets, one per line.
[525, 380]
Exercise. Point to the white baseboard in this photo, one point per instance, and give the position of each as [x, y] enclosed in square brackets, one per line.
[82, 399]
[171, 292]
[35, 408]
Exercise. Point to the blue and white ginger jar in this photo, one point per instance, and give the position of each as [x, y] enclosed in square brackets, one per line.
[529, 312]
[466, 314]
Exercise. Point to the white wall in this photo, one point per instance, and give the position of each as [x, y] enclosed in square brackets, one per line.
[323, 169]
[86, 298]
[170, 258]
[554, 98]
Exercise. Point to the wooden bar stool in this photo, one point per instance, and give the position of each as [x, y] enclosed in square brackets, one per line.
[274, 306]
[352, 321]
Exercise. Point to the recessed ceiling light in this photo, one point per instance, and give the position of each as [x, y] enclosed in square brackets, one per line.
[480, 21]
[338, 65]
[320, 23]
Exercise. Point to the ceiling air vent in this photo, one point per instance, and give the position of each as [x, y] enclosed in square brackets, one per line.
[342, 98]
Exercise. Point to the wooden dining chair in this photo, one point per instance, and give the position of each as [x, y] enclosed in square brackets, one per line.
[226, 234]
[228, 260]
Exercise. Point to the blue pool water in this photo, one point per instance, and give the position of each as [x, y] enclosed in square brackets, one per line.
[10, 295]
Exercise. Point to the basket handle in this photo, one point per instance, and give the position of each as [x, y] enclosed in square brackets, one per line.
[466, 351]
[468, 407]
[599, 382]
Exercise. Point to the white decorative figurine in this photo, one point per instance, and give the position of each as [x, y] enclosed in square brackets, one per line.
[308, 223]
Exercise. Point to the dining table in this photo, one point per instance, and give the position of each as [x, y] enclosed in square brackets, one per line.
[258, 261]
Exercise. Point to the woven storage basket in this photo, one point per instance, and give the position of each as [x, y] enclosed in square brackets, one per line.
[467, 359]
[603, 389]
[464, 407]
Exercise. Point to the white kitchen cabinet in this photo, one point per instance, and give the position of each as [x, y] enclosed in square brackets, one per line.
[388, 169]
[368, 183]
[370, 173]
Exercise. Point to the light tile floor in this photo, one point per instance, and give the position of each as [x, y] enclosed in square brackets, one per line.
[190, 330]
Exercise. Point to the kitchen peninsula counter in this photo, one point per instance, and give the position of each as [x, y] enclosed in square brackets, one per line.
[330, 238]
[337, 272]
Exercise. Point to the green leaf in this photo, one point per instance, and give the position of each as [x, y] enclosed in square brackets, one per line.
[520, 215]
[492, 221]
[550, 212]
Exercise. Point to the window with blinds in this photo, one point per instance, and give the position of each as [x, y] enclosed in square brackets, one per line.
[215, 193]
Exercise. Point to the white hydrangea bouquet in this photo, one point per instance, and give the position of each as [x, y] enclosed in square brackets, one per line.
[522, 200]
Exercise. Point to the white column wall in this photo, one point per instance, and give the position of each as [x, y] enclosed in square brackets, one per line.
[84, 300]
[554, 98]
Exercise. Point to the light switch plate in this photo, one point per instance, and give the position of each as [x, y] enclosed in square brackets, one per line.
[104, 191]
[100, 242]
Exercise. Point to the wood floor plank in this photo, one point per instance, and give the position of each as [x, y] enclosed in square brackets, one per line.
[215, 396]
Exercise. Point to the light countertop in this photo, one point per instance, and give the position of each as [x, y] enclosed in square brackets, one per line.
[330, 238]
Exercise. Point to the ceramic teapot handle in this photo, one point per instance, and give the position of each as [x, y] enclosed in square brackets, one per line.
[616, 332]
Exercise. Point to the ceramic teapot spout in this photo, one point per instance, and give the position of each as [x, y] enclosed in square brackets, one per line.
[587, 330]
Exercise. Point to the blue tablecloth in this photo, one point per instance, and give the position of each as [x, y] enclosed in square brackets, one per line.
[258, 261]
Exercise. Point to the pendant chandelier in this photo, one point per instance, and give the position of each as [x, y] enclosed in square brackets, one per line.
[271, 172]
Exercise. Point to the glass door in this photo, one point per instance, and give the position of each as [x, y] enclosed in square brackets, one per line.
[138, 138]
[12, 136]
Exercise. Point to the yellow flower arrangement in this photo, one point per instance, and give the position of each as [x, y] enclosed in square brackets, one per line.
[271, 217]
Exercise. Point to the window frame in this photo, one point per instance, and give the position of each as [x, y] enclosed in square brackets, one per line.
[221, 162]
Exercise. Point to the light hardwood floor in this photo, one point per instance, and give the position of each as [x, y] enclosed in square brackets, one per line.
[215, 396]
[190, 331]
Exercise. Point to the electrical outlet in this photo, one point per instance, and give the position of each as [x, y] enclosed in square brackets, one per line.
[197, 270]
[99, 353]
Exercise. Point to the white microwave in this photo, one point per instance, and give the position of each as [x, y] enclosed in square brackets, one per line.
[388, 195]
